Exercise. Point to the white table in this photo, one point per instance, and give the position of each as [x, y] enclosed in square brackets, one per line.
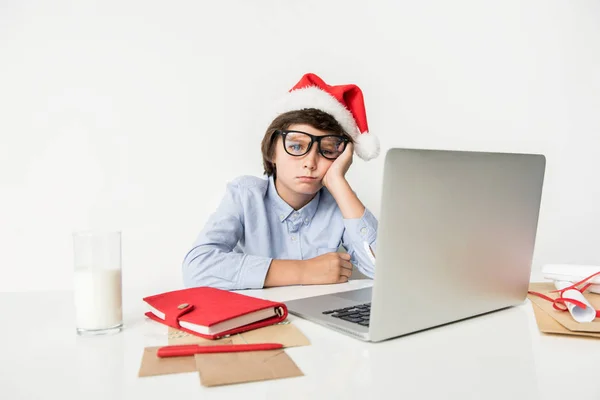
[497, 356]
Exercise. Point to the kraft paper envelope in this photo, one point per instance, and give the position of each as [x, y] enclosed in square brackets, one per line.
[286, 334]
[153, 365]
[251, 366]
[550, 320]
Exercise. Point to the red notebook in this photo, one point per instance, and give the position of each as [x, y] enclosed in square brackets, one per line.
[213, 313]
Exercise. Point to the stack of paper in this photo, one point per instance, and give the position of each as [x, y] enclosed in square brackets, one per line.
[573, 273]
[550, 320]
[227, 368]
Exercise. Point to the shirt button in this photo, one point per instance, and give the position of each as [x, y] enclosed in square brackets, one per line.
[293, 238]
[306, 221]
[281, 216]
[363, 231]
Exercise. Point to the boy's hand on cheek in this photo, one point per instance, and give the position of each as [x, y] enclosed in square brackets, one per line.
[326, 269]
[339, 167]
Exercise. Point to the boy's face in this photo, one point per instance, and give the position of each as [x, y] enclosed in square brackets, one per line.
[301, 174]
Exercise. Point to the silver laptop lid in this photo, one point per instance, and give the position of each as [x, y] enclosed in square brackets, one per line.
[455, 238]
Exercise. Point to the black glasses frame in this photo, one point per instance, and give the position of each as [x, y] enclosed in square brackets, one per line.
[313, 139]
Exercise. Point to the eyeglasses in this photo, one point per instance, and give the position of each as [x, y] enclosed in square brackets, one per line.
[298, 143]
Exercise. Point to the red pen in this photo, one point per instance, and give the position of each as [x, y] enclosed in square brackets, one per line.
[191, 349]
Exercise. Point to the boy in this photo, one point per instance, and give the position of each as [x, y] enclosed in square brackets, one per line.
[286, 230]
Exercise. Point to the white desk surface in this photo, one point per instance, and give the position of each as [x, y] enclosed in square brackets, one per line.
[497, 356]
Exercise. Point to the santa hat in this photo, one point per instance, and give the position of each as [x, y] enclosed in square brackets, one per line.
[345, 103]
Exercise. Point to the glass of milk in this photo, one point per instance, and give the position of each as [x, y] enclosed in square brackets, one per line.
[97, 282]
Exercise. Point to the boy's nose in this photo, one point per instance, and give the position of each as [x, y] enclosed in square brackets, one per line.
[310, 160]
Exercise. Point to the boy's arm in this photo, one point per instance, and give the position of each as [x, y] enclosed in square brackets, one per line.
[325, 269]
[284, 273]
[349, 204]
[360, 234]
[212, 262]
[335, 181]
[360, 240]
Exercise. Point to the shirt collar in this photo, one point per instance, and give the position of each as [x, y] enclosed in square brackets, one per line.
[285, 211]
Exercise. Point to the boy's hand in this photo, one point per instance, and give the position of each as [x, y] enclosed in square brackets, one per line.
[335, 181]
[326, 269]
[339, 167]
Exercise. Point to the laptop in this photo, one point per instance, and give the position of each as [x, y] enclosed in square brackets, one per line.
[456, 237]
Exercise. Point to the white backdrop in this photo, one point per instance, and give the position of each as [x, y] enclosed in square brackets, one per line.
[133, 115]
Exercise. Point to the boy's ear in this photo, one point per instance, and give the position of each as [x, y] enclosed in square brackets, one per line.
[272, 156]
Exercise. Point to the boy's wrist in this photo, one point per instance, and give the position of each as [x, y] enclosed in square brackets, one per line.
[337, 184]
[349, 204]
[298, 271]
[285, 273]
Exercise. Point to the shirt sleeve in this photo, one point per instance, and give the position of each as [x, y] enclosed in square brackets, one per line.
[212, 260]
[360, 241]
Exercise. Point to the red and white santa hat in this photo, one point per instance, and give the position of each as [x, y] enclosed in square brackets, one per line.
[345, 103]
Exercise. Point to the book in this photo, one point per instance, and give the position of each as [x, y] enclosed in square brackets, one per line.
[213, 313]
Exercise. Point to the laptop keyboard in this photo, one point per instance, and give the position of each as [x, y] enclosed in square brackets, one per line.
[358, 314]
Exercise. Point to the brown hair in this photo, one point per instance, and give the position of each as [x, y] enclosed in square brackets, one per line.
[309, 116]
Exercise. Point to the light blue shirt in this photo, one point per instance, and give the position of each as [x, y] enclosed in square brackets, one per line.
[253, 225]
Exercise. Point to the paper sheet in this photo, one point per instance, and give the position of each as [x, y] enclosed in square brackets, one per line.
[547, 324]
[571, 272]
[286, 334]
[153, 365]
[563, 318]
[250, 366]
[579, 314]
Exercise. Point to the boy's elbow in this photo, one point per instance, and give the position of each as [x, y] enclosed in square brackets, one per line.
[198, 269]
[369, 272]
[191, 277]
[195, 273]
[194, 277]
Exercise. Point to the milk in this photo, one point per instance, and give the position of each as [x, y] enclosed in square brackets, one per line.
[98, 303]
